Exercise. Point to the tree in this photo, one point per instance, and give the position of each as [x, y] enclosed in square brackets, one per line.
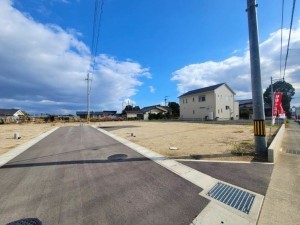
[174, 106]
[287, 91]
[130, 108]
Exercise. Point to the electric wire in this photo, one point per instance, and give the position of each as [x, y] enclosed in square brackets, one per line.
[288, 46]
[282, 10]
[98, 11]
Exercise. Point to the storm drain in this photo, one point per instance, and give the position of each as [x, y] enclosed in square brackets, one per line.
[27, 221]
[117, 157]
[234, 197]
[293, 151]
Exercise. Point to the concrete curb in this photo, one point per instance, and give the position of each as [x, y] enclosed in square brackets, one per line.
[275, 146]
[6, 157]
[216, 211]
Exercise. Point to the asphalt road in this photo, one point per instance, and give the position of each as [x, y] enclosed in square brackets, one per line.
[78, 175]
[252, 176]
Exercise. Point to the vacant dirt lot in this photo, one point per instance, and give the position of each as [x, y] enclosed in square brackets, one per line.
[188, 138]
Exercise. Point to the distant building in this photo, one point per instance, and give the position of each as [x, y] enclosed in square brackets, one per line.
[297, 113]
[11, 115]
[144, 113]
[210, 103]
[155, 109]
[83, 114]
[134, 115]
[246, 109]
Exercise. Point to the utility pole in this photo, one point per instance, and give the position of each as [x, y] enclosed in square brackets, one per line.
[88, 97]
[257, 95]
[272, 99]
[166, 98]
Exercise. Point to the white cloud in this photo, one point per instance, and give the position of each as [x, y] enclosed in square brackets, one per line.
[151, 89]
[47, 66]
[235, 71]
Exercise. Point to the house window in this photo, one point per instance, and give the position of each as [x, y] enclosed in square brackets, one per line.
[193, 111]
[201, 98]
[193, 99]
[221, 110]
[182, 101]
[186, 101]
[227, 107]
[218, 111]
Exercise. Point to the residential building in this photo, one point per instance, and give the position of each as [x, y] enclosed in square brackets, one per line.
[144, 113]
[134, 115]
[155, 109]
[209, 103]
[11, 115]
[246, 109]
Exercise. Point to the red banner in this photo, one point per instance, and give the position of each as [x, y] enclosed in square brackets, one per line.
[278, 105]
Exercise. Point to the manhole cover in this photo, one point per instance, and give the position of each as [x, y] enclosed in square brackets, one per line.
[293, 151]
[117, 157]
[234, 197]
[28, 221]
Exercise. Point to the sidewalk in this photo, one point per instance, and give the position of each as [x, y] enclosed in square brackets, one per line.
[282, 201]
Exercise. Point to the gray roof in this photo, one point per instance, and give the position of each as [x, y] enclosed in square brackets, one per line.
[206, 89]
[148, 108]
[245, 101]
[8, 112]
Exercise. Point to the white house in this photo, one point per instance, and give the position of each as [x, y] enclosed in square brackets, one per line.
[210, 103]
[10, 115]
[146, 111]
[155, 109]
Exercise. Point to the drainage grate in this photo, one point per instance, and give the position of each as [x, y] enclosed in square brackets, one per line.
[27, 221]
[293, 151]
[232, 196]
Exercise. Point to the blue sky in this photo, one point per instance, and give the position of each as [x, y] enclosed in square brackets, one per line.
[147, 50]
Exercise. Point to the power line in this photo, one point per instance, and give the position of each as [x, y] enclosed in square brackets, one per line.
[98, 11]
[288, 46]
[282, 10]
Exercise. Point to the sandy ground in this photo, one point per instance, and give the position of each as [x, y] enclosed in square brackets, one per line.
[189, 138]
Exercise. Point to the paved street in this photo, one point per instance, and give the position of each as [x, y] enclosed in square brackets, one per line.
[252, 176]
[78, 175]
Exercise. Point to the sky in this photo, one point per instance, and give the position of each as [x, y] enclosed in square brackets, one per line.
[147, 50]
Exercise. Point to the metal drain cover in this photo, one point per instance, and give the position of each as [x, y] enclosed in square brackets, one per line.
[117, 157]
[293, 151]
[27, 221]
[234, 197]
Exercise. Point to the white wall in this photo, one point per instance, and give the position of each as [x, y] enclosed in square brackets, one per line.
[219, 102]
[236, 110]
[192, 108]
[152, 111]
[224, 103]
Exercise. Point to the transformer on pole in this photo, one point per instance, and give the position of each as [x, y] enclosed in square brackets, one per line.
[257, 95]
